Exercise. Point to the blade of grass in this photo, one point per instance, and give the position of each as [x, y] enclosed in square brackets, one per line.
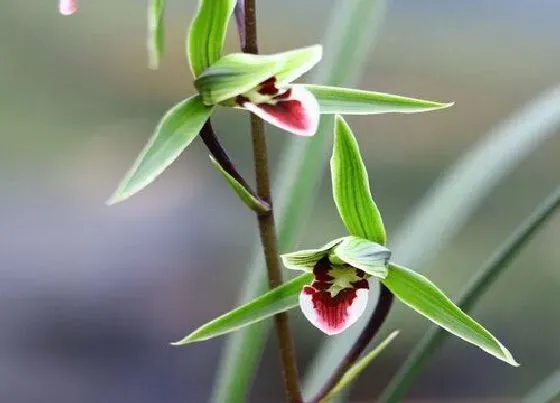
[302, 166]
[352, 374]
[460, 191]
[478, 285]
[456, 194]
[546, 391]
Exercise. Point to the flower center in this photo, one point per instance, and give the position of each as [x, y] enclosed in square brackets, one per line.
[336, 298]
[335, 278]
[265, 93]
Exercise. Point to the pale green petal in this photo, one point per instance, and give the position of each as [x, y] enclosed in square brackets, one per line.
[363, 254]
[238, 73]
[306, 259]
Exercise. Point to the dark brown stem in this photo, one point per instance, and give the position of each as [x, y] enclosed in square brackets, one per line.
[384, 303]
[219, 153]
[267, 226]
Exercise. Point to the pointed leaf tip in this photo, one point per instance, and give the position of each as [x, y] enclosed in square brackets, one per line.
[347, 101]
[176, 130]
[277, 300]
[424, 297]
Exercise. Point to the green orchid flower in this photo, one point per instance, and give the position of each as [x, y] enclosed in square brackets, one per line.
[261, 84]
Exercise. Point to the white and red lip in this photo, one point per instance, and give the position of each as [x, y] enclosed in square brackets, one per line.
[295, 109]
[67, 7]
[333, 314]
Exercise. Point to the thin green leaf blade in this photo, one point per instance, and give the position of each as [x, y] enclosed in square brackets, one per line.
[364, 254]
[244, 195]
[350, 185]
[358, 367]
[277, 300]
[237, 73]
[156, 32]
[423, 296]
[176, 130]
[207, 33]
[347, 101]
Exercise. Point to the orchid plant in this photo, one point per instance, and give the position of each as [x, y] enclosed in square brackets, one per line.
[334, 289]
[261, 84]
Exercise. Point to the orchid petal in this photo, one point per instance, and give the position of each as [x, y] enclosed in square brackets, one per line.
[333, 315]
[306, 259]
[336, 299]
[292, 70]
[363, 254]
[67, 7]
[238, 73]
[297, 113]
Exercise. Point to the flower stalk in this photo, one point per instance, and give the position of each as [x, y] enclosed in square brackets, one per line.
[217, 151]
[267, 226]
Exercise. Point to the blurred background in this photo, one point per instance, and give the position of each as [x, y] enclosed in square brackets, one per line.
[90, 296]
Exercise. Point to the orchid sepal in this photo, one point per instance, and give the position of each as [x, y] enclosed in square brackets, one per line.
[359, 253]
[238, 73]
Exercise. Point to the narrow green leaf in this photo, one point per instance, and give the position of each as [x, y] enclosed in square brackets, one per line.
[237, 73]
[476, 287]
[156, 32]
[346, 101]
[423, 296]
[363, 254]
[350, 187]
[306, 259]
[278, 300]
[178, 127]
[358, 367]
[207, 33]
[246, 197]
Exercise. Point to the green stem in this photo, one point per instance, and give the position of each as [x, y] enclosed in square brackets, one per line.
[302, 166]
[267, 227]
[478, 285]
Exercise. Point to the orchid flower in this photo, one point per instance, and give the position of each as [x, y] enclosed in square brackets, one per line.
[333, 291]
[338, 294]
[261, 84]
[67, 7]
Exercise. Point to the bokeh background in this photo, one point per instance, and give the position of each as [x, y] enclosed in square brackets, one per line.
[90, 296]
